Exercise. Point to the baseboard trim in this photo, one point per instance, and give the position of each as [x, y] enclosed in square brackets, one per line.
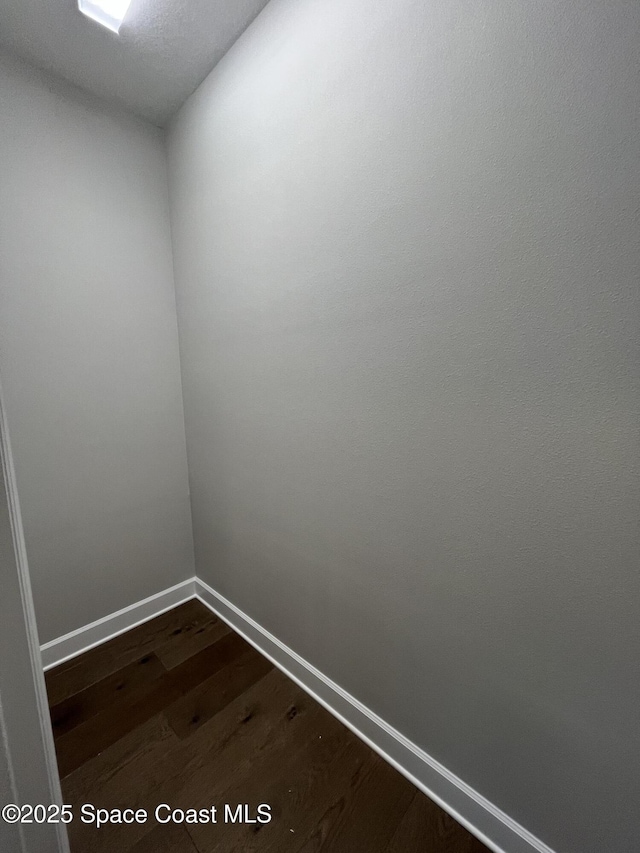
[76, 642]
[487, 822]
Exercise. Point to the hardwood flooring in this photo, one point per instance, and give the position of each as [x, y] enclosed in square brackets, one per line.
[182, 711]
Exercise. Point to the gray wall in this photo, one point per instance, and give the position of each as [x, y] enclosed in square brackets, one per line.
[89, 351]
[407, 252]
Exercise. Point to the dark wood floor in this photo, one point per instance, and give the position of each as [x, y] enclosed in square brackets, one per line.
[182, 711]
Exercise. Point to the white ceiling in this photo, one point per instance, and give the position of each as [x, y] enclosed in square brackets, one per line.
[163, 52]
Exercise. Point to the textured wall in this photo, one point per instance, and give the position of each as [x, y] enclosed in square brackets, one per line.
[89, 352]
[407, 251]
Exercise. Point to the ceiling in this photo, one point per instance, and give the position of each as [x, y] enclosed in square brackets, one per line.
[164, 50]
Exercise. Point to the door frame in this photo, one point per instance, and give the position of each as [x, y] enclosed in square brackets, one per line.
[27, 748]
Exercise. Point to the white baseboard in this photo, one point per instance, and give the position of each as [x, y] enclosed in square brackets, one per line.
[79, 641]
[487, 822]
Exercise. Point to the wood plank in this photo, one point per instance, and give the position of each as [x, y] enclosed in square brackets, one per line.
[300, 808]
[311, 791]
[311, 740]
[169, 838]
[167, 769]
[367, 815]
[178, 648]
[80, 672]
[100, 731]
[100, 776]
[426, 825]
[93, 699]
[253, 755]
[207, 699]
[98, 782]
[299, 785]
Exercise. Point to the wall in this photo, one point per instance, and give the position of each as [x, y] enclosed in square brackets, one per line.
[89, 351]
[407, 256]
